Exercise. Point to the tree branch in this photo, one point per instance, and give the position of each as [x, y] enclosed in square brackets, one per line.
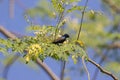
[82, 19]
[7, 33]
[60, 18]
[113, 45]
[11, 8]
[83, 62]
[103, 58]
[102, 70]
[47, 69]
[21, 4]
[42, 64]
[8, 65]
[112, 5]
[62, 70]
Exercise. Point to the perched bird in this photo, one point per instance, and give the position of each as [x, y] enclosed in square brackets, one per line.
[61, 39]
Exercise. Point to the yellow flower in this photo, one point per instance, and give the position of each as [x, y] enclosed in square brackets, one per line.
[34, 49]
[27, 58]
[80, 43]
[33, 52]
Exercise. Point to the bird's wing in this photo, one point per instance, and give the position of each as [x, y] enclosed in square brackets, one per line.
[59, 39]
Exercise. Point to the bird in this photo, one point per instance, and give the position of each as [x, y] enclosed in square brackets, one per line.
[61, 39]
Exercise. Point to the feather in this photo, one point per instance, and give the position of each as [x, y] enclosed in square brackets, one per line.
[61, 39]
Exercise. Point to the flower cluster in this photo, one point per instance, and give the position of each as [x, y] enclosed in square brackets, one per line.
[33, 52]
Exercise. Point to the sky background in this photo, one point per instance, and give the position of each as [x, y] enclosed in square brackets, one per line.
[20, 71]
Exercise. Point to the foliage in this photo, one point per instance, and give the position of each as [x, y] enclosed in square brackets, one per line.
[54, 8]
[46, 34]
[64, 15]
[40, 46]
[93, 21]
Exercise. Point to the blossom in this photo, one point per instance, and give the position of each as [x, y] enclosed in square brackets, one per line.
[79, 42]
[33, 51]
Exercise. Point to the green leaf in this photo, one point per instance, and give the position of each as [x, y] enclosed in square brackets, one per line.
[71, 1]
[74, 8]
[43, 8]
[58, 6]
[34, 28]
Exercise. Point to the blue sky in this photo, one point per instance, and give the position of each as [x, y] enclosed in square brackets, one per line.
[20, 71]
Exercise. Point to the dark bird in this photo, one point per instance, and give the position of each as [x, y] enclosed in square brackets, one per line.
[61, 39]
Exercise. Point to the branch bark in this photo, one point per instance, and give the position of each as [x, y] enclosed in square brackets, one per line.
[113, 45]
[41, 64]
[8, 65]
[7, 33]
[112, 5]
[103, 70]
[47, 69]
[11, 8]
[103, 58]
[63, 64]
[81, 22]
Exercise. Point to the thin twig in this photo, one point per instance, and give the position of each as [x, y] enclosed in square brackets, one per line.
[82, 19]
[21, 4]
[59, 20]
[8, 65]
[103, 70]
[60, 17]
[83, 61]
[62, 70]
[114, 45]
[11, 8]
